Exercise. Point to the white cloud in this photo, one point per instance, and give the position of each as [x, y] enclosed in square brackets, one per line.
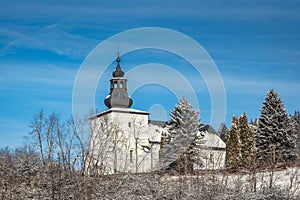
[51, 37]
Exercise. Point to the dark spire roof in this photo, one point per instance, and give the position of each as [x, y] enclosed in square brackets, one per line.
[118, 96]
[118, 71]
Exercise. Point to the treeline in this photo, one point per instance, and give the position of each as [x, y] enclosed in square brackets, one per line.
[270, 142]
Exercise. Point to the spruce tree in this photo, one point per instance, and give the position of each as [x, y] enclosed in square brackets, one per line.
[274, 139]
[297, 131]
[296, 124]
[222, 132]
[183, 128]
[247, 142]
[233, 146]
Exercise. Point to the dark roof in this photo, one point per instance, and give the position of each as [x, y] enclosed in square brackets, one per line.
[208, 128]
[120, 110]
[222, 132]
[158, 123]
[118, 71]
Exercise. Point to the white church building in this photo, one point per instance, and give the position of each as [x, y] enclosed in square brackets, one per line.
[123, 139]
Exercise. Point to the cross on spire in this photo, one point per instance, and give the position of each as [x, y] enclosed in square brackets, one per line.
[118, 71]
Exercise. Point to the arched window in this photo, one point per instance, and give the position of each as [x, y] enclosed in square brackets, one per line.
[115, 84]
[130, 156]
[121, 84]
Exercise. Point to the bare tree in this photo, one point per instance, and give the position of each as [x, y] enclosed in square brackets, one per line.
[105, 140]
[138, 129]
[37, 125]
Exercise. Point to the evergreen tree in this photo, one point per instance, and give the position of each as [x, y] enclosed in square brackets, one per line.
[233, 146]
[183, 128]
[296, 124]
[247, 142]
[222, 132]
[297, 131]
[274, 139]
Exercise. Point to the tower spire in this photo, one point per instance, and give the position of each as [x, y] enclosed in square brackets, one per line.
[118, 96]
[118, 71]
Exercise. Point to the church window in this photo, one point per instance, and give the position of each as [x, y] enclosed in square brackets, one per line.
[129, 124]
[115, 84]
[121, 84]
[211, 158]
[130, 156]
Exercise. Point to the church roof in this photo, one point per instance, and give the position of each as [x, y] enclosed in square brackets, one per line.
[208, 128]
[118, 96]
[118, 71]
[120, 110]
[158, 123]
[211, 139]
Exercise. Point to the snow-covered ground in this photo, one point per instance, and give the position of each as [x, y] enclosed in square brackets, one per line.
[282, 184]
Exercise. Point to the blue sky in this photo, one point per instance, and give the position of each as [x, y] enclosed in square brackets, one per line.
[255, 44]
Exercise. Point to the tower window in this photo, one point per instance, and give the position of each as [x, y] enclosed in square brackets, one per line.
[115, 84]
[129, 124]
[121, 84]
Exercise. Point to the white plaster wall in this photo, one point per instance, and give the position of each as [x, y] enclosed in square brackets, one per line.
[138, 128]
[213, 159]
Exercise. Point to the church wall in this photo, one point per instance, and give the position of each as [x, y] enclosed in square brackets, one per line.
[212, 152]
[133, 134]
[212, 159]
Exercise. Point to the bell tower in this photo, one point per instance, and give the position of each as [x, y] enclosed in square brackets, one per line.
[118, 96]
[127, 123]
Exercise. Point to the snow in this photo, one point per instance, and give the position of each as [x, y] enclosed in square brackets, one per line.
[212, 140]
[287, 180]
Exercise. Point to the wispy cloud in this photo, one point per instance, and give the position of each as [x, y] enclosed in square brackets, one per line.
[254, 86]
[37, 74]
[60, 27]
[52, 37]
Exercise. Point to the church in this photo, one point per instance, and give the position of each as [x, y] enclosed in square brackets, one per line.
[123, 139]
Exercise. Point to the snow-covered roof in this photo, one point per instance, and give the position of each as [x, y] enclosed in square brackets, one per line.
[121, 110]
[158, 123]
[212, 140]
[155, 133]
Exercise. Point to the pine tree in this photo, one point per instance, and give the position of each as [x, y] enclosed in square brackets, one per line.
[183, 128]
[274, 139]
[233, 146]
[247, 142]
